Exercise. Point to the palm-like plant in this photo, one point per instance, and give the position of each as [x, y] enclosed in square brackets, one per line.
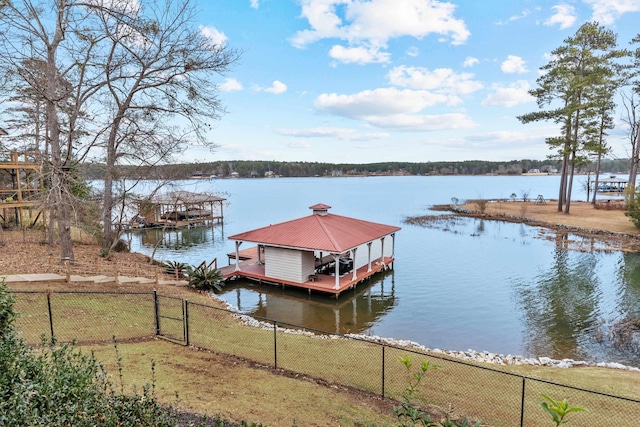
[204, 278]
[175, 268]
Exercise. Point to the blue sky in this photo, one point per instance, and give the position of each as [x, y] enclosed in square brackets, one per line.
[363, 81]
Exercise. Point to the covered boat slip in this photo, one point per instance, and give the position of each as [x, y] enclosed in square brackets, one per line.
[612, 184]
[322, 252]
[251, 268]
[180, 209]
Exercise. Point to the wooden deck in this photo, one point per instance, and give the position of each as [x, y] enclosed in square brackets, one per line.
[251, 269]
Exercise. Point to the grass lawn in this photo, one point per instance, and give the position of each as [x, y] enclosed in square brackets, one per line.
[316, 377]
[235, 389]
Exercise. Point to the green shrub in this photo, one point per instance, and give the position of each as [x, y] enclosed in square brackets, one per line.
[57, 385]
[559, 409]
[408, 411]
[633, 209]
[204, 278]
[176, 268]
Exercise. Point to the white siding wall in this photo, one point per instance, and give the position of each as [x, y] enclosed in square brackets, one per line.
[288, 264]
[308, 265]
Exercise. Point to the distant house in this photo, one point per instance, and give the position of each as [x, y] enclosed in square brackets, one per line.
[235, 175]
[321, 251]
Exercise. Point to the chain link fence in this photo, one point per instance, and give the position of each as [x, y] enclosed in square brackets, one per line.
[457, 388]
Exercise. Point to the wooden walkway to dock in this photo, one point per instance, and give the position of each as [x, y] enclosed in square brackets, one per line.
[251, 269]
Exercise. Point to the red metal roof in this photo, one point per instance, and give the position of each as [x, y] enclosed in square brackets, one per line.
[328, 232]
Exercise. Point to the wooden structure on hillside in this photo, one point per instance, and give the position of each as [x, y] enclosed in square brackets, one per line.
[21, 185]
[316, 252]
[180, 209]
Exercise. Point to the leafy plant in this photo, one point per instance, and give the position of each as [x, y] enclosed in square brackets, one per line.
[204, 278]
[176, 268]
[559, 409]
[633, 209]
[59, 385]
[458, 423]
[408, 410]
[7, 314]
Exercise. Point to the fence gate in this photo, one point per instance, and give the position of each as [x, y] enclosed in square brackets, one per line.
[172, 319]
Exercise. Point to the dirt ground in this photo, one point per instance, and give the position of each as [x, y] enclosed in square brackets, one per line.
[23, 252]
[581, 214]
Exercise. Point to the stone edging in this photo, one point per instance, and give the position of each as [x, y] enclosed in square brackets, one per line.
[469, 355]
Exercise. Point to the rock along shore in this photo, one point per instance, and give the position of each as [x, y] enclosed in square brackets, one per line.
[469, 355]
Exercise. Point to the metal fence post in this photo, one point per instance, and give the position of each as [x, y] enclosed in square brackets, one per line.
[275, 345]
[383, 371]
[524, 381]
[156, 307]
[185, 317]
[50, 315]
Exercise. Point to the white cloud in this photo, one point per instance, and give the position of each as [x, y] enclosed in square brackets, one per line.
[372, 23]
[255, 4]
[413, 51]
[440, 80]
[607, 11]
[392, 108]
[502, 137]
[564, 16]
[385, 101]
[328, 132]
[230, 85]
[409, 122]
[213, 35]
[358, 55]
[513, 18]
[470, 61]
[509, 96]
[296, 144]
[277, 87]
[513, 64]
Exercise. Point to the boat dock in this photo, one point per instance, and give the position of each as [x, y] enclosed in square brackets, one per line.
[180, 209]
[252, 269]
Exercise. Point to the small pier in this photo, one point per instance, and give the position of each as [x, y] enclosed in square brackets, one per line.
[180, 209]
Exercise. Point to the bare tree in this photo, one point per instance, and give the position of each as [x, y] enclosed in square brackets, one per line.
[160, 72]
[141, 84]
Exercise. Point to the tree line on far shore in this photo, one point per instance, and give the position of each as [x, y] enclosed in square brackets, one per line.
[260, 169]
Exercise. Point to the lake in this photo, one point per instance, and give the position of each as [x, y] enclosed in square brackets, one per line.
[456, 285]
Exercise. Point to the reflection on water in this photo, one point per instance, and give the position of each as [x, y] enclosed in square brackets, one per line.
[180, 238]
[560, 305]
[355, 311]
[458, 283]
